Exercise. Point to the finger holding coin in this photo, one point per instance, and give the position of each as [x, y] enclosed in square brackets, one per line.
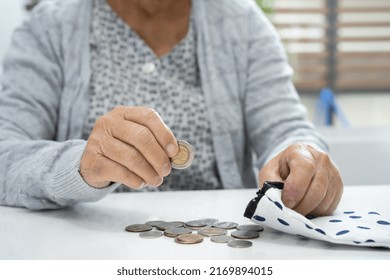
[129, 145]
[185, 156]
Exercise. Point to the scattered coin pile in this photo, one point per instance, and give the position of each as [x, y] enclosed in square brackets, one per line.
[193, 232]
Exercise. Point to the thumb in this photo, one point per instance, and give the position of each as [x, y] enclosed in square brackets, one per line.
[270, 172]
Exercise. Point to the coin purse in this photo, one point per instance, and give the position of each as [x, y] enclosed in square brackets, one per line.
[350, 227]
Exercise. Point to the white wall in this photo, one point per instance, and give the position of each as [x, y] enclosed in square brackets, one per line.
[11, 15]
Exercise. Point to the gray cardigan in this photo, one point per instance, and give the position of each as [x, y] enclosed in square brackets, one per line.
[254, 110]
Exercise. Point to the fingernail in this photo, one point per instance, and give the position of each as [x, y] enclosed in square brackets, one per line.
[143, 185]
[158, 181]
[166, 170]
[171, 149]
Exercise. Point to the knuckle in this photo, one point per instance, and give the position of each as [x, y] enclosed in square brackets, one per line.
[101, 144]
[322, 176]
[118, 109]
[132, 157]
[306, 164]
[293, 147]
[149, 114]
[325, 159]
[101, 121]
[309, 165]
[144, 135]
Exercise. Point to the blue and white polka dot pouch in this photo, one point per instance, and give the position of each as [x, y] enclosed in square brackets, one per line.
[358, 228]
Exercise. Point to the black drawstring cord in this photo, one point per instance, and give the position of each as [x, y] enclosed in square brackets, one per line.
[252, 205]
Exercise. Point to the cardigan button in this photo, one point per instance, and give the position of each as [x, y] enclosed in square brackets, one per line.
[148, 68]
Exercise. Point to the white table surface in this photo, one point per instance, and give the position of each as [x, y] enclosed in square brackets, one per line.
[96, 230]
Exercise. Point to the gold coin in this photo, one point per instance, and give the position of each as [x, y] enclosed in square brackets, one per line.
[189, 238]
[185, 156]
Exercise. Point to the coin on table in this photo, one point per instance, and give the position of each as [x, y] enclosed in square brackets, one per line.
[151, 234]
[250, 227]
[138, 228]
[208, 221]
[245, 234]
[166, 225]
[176, 231]
[225, 225]
[240, 243]
[154, 223]
[185, 156]
[196, 224]
[221, 238]
[189, 238]
[212, 231]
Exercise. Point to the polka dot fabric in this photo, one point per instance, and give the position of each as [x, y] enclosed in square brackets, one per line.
[126, 72]
[350, 226]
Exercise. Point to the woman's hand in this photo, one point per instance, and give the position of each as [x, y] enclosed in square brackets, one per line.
[131, 146]
[312, 183]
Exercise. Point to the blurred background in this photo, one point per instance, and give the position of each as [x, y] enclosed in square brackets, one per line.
[340, 52]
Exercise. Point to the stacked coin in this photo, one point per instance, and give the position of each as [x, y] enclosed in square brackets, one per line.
[174, 232]
[195, 224]
[189, 238]
[209, 227]
[166, 225]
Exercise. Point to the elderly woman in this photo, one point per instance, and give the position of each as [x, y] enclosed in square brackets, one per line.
[96, 93]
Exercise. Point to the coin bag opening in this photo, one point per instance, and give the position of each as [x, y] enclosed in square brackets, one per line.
[356, 227]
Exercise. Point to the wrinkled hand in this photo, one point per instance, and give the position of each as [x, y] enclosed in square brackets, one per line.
[129, 145]
[312, 183]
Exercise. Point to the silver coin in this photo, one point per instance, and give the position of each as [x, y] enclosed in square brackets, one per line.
[251, 227]
[212, 231]
[239, 243]
[225, 225]
[195, 224]
[151, 234]
[185, 156]
[221, 238]
[193, 228]
[173, 232]
[154, 223]
[138, 228]
[166, 225]
[209, 221]
[245, 234]
[189, 238]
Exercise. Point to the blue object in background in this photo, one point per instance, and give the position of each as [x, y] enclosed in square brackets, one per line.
[328, 108]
